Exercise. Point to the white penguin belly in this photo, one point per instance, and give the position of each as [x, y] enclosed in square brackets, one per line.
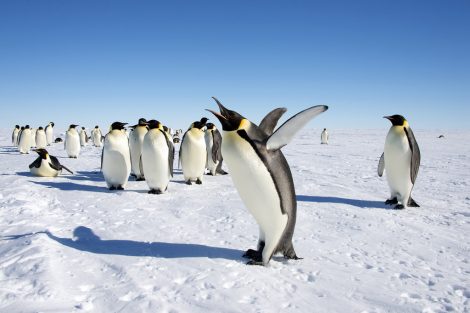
[397, 156]
[116, 161]
[155, 160]
[72, 144]
[254, 184]
[82, 139]
[135, 144]
[193, 160]
[25, 141]
[97, 139]
[45, 170]
[49, 135]
[41, 141]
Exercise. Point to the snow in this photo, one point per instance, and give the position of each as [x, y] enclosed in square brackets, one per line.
[67, 244]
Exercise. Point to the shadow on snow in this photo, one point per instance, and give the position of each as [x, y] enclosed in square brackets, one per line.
[84, 239]
[69, 186]
[354, 202]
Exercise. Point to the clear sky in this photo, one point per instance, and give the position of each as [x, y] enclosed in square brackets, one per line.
[95, 62]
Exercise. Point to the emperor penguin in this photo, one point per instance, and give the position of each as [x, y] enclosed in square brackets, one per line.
[83, 137]
[49, 133]
[116, 157]
[24, 140]
[46, 165]
[14, 135]
[213, 140]
[157, 158]
[96, 136]
[192, 154]
[324, 137]
[19, 136]
[401, 159]
[33, 136]
[262, 175]
[41, 140]
[136, 138]
[72, 142]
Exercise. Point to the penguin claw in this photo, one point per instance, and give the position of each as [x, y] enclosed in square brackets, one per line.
[199, 182]
[399, 207]
[120, 187]
[252, 254]
[188, 182]
[391, 201]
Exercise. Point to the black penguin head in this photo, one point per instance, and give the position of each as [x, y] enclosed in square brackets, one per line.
[72, 126]
[198, 125]
[210, 126]
[97, 127]
[26, 127]
[118, 126]
[40, 128]
[42, 153]
[204, 120]
[22, 128]
[154, 124]
[165, 128]
[52, 124]
[396, 120]
[324, 128]
[17, 126]
[229, 119]
[142, 122]
[83, 128]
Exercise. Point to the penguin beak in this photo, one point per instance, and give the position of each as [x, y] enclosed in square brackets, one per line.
[230, 120]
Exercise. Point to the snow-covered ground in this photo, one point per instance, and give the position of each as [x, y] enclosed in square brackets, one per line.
[67, 244]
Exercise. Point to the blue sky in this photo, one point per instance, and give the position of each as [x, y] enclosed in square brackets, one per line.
[95, 62]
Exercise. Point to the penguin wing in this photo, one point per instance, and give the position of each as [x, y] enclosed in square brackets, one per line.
[217, 143]
[171, 152]
[102, 154]
[381, 167]
[55, 164]
[36, 163]
[284, 134]
[181, 150]
[415, 154]
[141, 166]
[270, 120]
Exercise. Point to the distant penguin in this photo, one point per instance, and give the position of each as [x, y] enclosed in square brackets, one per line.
[14, 135]
[41, 140]
[33, 137]
[262, 175]
[24, 140]
[49, 133]
[96, 136]
[83, 137]
[192, 155]
[157, 158]
[401, 160]
[324, 137]
[19, 136]
[72, 142]
[136, 138]
[58, 140]
[46, 165]
[116, 158]
[213, 140]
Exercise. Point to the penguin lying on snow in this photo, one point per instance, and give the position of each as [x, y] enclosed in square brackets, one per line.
[46, 165]
[262, 176]
[401, 159]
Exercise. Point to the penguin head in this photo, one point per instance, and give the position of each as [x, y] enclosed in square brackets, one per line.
[83, 128]
[40, 128]
[142, 122]
[396, 120]
[165, 128]
[118, 126]
[42, 153]
[229, 119]
[97, 127]
[52, 124]
[72, 126]
[26, 127]
[22, 128]
[17, 126]
[154, 124]
[197, 124]
[210, 126]
[204, 120]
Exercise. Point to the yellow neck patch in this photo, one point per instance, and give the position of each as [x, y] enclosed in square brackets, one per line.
[244, 124]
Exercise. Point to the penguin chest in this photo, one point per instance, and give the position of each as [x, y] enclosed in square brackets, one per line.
[397, 154]
[116, 159]
[193, 156]
[155, 160]
[253, 181]
[45, 170]
[72, 143]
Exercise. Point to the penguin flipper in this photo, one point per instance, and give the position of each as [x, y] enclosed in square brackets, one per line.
[415, 154]
[381, 167]
[36, 163]
[216, 143]
[65, 168]
[102, 154]
[270, 120]
[284, 134]
[171, 152]
[412, 203]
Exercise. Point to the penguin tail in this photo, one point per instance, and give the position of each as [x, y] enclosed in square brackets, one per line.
[63, 167]
[412, 203]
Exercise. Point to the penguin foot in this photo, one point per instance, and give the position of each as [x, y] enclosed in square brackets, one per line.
[391, 201]
[399, 207]
[188, 182]
[140, 179]
[252, 254]
[199, 182]
[253, 262]
[120, 187]
[222, 172]
[112, 188]
[292, 257]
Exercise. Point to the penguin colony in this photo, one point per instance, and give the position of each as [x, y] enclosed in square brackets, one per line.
[252, 152]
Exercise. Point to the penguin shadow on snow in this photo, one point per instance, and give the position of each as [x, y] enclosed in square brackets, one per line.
[70, 186]
[95, 176]
[354, 202]
[84, 239]
[9, 150]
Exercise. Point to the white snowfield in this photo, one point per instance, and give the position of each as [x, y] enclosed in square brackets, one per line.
[67, 244]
